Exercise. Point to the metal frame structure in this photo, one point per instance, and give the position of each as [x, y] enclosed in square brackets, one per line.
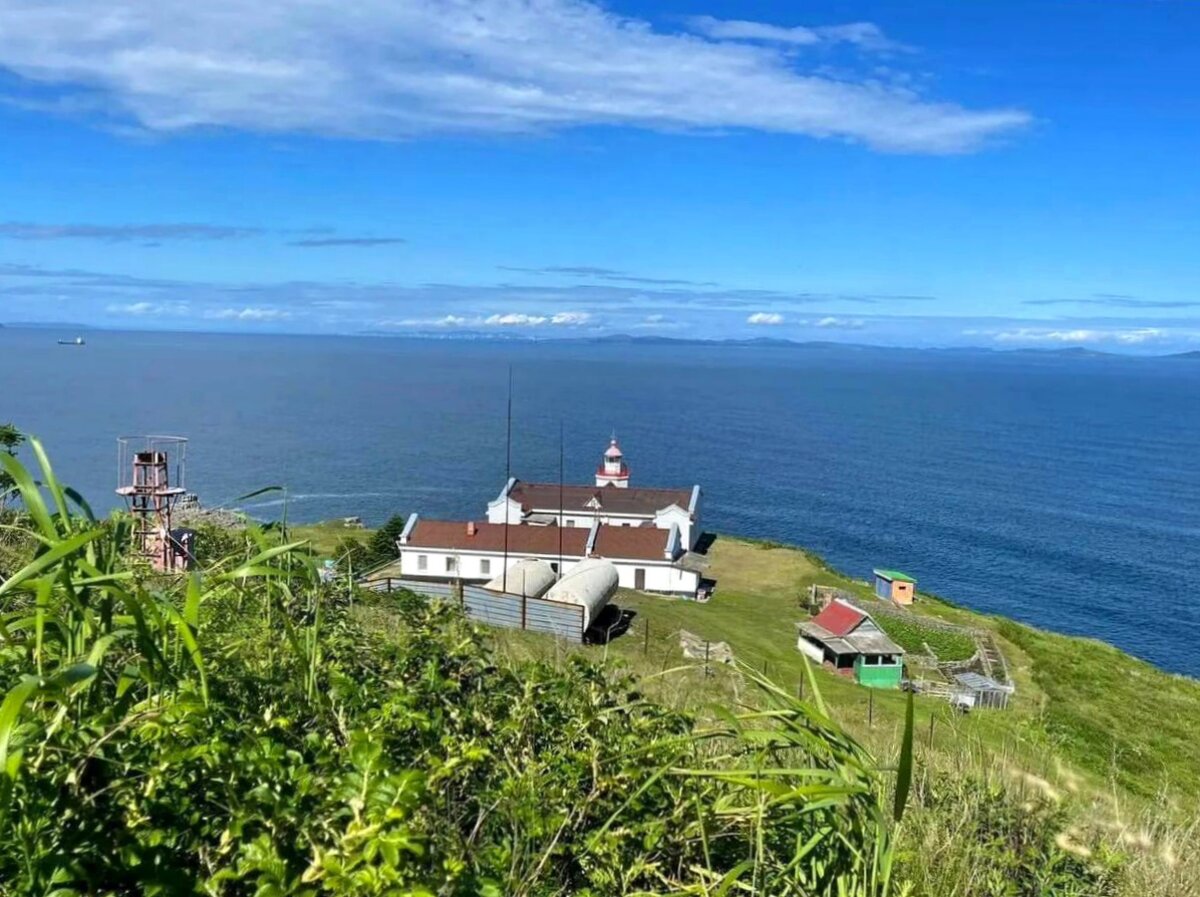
[145, 481]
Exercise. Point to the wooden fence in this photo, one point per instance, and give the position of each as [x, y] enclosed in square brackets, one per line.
[495, 608]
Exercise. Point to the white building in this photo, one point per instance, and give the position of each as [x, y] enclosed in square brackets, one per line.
[646, 557]
[612, 501]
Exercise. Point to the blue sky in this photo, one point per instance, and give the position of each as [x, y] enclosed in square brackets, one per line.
[997, 174]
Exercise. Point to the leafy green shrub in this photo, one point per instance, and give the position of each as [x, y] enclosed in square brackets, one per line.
[381, 548]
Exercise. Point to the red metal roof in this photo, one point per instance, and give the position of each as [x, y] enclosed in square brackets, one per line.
[617, 542]
[644, 543]
[544, 497]
[840, 619]
[522, 539]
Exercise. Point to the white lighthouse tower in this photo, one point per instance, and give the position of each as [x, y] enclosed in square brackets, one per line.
[613, 471]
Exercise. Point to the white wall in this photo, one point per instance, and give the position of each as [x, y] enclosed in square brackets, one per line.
[659, 577]
[469, 566]
[675, 516]
[495, 511]
[815, 652]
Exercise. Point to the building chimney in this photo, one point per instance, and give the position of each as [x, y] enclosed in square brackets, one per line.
[470, 527]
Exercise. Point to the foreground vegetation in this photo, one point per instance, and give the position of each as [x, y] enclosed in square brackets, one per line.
[249, 730]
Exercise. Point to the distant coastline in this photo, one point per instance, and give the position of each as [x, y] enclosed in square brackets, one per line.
[628, 339]
[47, 325]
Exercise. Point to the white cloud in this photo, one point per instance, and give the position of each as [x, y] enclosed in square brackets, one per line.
[395, 69]
[250, 313]
[769, 318]
[833, 323]
[509, 319]
[864, 34]
[570, 318]
[147, 309]
[515, 319]
[1131, 337]
[1141, 335]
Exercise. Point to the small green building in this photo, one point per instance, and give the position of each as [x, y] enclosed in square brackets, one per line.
[847, 640]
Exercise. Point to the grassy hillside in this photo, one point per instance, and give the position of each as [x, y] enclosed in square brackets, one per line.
[1083, 710]
[251, 729]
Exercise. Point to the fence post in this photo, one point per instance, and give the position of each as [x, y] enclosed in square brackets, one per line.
[707, 672]
[871, 708]
[524, 610]
[646, 640]
[932, 717]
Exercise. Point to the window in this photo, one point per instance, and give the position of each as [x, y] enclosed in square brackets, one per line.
[422, 562]
[554, 566]
[485, 567]
[570, 522]
[451, 564]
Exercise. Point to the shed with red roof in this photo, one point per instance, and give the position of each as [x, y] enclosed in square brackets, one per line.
[847, 639]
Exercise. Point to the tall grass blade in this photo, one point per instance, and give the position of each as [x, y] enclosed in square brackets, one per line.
[257, 565]
[265, 490]
[45, 561]
[188, 637]
[905, 769]
[50, 481]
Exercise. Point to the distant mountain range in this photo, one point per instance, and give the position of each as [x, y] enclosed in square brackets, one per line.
[757, 342]
[760, 342]
[47, 325]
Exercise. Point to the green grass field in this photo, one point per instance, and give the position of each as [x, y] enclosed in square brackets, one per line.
[325, 536]
[1084, 712]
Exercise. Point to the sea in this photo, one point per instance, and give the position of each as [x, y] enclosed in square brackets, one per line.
[1062, 490]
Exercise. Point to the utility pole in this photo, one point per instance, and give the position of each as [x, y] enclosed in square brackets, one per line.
[507, 478]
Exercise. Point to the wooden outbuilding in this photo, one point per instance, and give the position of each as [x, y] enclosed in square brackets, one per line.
[848, 641]
[894, 586]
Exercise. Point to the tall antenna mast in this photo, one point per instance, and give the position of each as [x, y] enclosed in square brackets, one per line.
[560, 498]
[507, 479]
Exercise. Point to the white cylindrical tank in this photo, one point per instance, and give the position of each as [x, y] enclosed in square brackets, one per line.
[529, 577]
[591, 584]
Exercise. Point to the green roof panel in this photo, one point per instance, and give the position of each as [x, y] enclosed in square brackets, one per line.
[895, 575]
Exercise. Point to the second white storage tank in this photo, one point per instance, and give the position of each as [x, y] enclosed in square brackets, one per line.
[591, 584]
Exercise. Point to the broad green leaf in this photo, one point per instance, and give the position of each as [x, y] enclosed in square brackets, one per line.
[10, 712]
[30, 495]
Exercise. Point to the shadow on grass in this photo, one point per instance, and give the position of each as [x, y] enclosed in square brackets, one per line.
[612, 623]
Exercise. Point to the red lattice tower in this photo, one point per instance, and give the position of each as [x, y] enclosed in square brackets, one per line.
[150, 477]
